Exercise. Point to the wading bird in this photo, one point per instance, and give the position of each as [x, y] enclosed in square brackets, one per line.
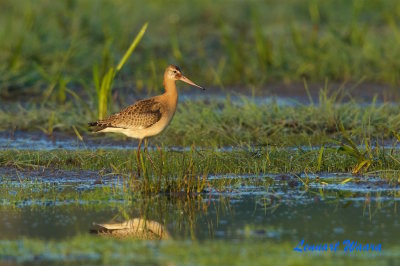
[147, 117]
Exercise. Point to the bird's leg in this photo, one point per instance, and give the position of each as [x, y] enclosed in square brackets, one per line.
[138, 157]
[146, 152]
[146, 143]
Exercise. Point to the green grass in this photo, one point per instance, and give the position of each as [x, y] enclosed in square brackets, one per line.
[219, 123]
[349, 135]
[57, 74]
[57, 54]
[86, 249]
[51, 47]
[198, 162]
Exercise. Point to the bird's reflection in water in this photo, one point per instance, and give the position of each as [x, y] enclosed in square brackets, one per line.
[137, 228]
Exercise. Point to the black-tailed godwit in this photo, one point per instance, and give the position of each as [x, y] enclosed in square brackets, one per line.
[147, 117]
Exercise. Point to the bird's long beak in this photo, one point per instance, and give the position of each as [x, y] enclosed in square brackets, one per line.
[188, 81]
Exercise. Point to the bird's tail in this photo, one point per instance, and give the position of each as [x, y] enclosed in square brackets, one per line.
[96, 126]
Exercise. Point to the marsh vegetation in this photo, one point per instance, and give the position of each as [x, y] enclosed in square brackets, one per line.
[297, 135]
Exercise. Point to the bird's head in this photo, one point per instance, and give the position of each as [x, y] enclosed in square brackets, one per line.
[174, 73]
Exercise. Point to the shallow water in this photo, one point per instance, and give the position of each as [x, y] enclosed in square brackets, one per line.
[245, 217]
[40, 142]
[282, 209]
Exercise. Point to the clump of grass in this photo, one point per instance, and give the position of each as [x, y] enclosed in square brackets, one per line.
[104, 81]
[160, 174]
[177, 172]
[364, 157]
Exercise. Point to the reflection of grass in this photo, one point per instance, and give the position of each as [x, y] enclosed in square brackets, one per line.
[182, 215]
[99, 250]
[179, 211]
[38, 194]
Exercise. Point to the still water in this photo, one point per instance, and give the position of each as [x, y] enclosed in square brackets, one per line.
[282, 211]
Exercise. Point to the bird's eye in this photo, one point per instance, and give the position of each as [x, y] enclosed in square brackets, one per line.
[175, 71]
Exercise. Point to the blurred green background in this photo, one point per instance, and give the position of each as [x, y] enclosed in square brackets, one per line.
[50, 51]
[52, 46]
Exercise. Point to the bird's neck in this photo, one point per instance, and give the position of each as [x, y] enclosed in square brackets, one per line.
[170, 90]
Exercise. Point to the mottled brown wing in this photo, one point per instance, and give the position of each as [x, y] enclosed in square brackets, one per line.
[140, 115]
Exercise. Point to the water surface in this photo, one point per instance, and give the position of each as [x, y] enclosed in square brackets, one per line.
[283, 208]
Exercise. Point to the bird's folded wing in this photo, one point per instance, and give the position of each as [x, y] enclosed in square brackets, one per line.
[142, 114]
